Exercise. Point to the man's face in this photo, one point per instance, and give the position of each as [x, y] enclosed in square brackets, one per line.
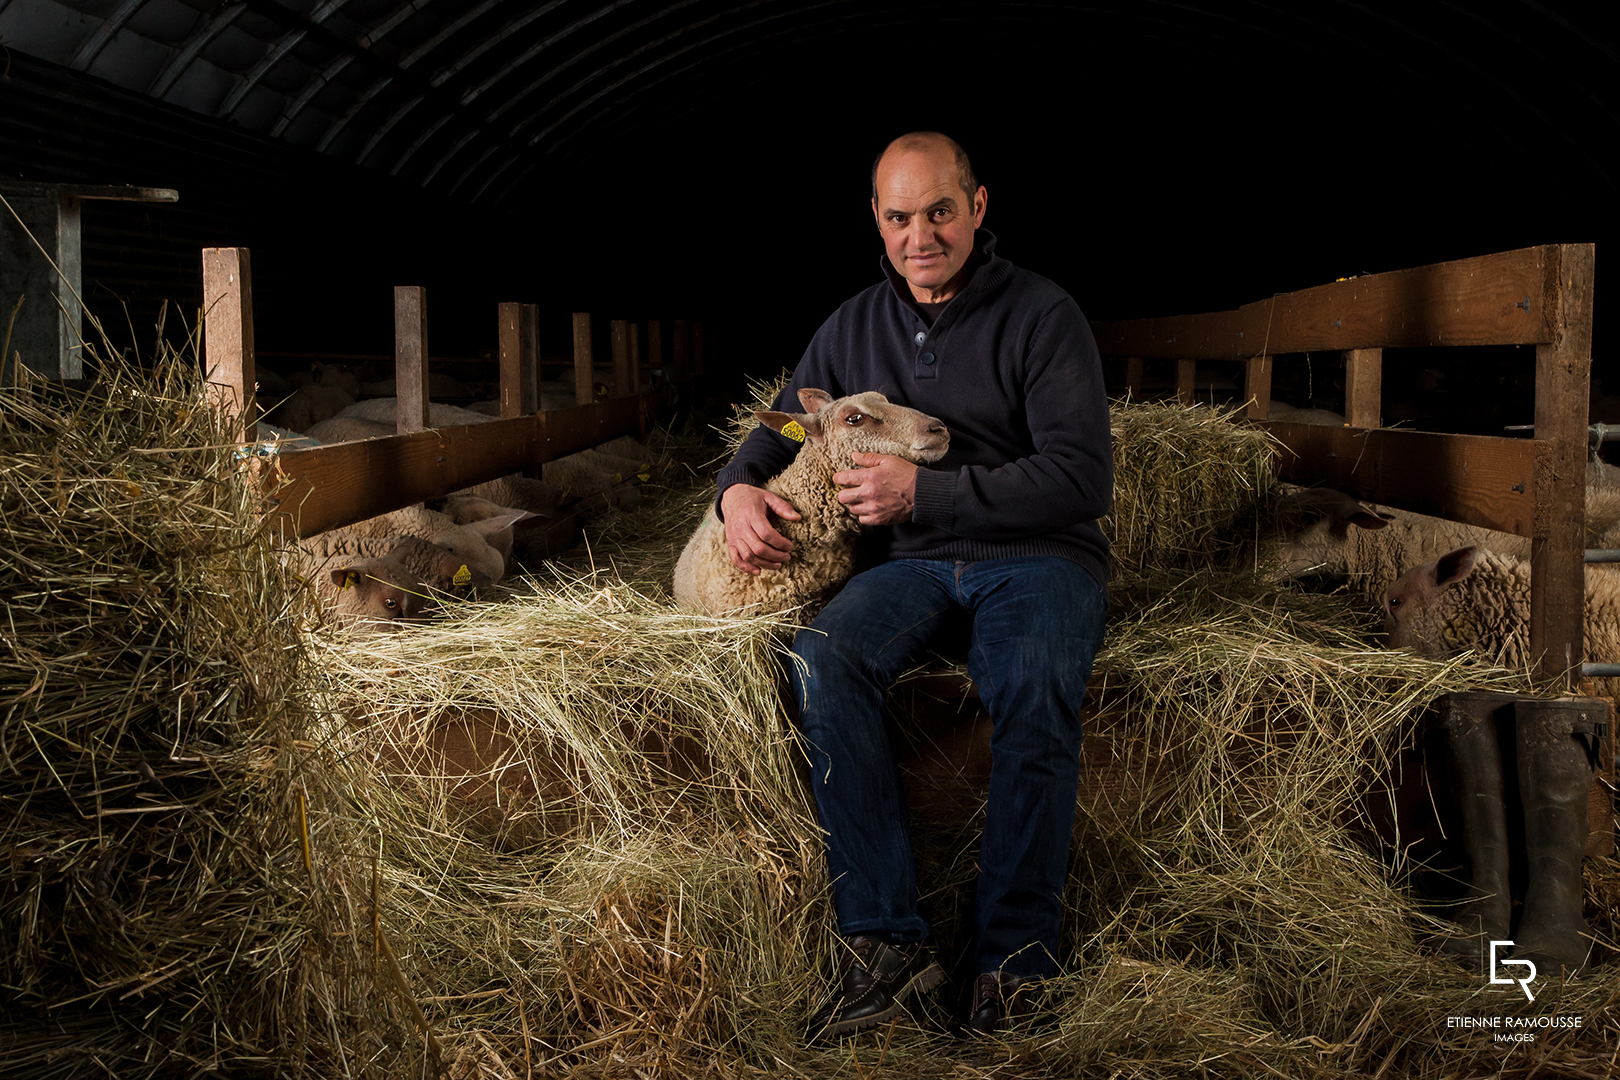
[926, 219]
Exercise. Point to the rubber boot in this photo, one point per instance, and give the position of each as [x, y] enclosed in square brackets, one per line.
[1470, 725]
[1557, 746]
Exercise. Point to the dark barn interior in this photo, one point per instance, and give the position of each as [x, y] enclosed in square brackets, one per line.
[709, 160]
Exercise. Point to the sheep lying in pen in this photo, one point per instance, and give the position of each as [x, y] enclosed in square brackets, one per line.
[369, 580]
[482, 541]
[1474, 599]
[1327, 531]
[824, 536]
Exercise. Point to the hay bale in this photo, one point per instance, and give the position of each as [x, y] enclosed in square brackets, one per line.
[179, 896]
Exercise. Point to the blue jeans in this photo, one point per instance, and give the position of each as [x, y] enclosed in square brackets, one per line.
[1036, 624]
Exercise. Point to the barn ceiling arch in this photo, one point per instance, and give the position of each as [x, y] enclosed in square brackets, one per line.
[471, 98]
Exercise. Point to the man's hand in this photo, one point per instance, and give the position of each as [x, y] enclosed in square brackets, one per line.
[751, 540]
[882, 491]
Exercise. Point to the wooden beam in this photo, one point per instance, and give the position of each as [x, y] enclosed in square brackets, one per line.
[410, 358]
[1364, 387]
[1187, 381]
[329, 486]
[681, 343]
[635, 358]
[519, 364]
[619, 336]
[1135, 377]
[584, 363]
[1563, 375]
[1257, 385]
[655, 348]
[1488, 300]
[1479, 479]
[228, 334]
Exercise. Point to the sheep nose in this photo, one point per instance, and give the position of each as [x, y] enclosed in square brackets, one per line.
[936, 428]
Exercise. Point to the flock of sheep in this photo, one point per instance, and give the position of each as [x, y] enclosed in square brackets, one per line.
[1445, 587]
[388, 569]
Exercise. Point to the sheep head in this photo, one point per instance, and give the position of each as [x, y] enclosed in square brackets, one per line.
[861, 423]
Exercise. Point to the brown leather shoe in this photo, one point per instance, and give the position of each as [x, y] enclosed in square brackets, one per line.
[879, 979]
[1000, 1003]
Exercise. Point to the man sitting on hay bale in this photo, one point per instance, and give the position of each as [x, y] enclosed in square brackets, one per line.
[1001, 534]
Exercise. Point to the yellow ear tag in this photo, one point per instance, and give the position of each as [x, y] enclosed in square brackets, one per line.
[793, 431]
[350, 579]
[462, 576]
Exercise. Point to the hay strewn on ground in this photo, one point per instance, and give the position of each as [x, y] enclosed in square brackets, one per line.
[573, 826]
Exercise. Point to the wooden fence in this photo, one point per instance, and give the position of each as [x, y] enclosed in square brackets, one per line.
[325, 487]
[1539, 296]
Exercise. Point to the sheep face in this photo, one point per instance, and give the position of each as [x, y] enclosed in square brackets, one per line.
[378, 594]
[1425, 610]
[1315, 525]
[862, 423]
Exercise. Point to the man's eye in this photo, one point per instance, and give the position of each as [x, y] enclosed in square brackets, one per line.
[941, 214]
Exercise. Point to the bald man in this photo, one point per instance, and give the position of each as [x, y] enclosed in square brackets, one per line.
[999, 538]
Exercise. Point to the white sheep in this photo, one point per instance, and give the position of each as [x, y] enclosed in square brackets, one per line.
[338, 429]
[376, 580]
[824, 537]
[483, 545]
[1472, 599]
[552, 529]
[1327, 531]
[309, 405]
[385, 410]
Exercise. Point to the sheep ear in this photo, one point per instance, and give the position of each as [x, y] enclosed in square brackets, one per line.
[1453, 566]
[1368, 518]
[814, 400]
[492, 526]
[796, 426]
[347, 577]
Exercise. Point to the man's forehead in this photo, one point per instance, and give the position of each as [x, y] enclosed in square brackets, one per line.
[916, 175]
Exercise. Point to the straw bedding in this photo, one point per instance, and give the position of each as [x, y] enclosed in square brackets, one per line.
[566, 834]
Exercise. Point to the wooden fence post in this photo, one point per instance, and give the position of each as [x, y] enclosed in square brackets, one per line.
[697, 348]
[1135, 377]
[411, 357]
[228, 334]
[519, 375]
[584, 365]
[635, 357]
[1257, 385]
[655, 349]
[1557, 552]
[1186, 381]
[1364, 387]
[619, 336]
[681, 348]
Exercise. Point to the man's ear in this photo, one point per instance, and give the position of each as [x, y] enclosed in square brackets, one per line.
[981, 201]
[796, 426]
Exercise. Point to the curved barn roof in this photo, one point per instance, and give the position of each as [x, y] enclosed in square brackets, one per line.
[468, 98]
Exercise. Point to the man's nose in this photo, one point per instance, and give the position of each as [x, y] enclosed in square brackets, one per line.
[921, 233]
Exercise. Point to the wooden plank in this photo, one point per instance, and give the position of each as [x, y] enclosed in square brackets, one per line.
[228, 333]
[655, 348]
[509, 347]
[1495, 299]
[635, 358]
[411, 357]
[109, 192]
[1257, 385]
[584, 363]
[1364, 387]
[1563, 375]
[681, 346]
[1135, 377]
[1479, 479]
[335, 485]
[698, 348]
[1186, 381]
[619, 337]
[529, 362]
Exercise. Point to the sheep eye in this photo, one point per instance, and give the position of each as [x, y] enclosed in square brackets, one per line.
[390, 603]
[1394, 602]
[854, 419]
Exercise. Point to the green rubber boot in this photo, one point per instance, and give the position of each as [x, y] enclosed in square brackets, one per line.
[1557, 745]
[1475, 773]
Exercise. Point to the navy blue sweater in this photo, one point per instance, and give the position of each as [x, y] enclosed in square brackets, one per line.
[1011, 367]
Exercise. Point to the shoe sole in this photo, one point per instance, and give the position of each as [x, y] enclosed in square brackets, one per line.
[922, 982]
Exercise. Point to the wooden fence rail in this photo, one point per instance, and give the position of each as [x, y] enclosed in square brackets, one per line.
[1538, 296]
[330, 486]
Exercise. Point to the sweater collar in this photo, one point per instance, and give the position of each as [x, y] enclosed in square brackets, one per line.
[991, 271]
